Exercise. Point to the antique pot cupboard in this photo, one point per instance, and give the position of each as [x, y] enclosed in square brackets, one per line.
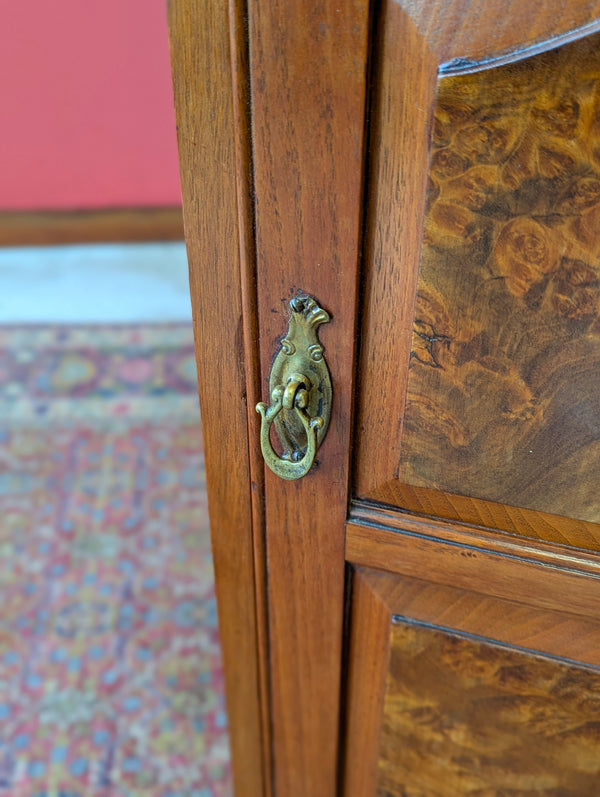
[395, 206]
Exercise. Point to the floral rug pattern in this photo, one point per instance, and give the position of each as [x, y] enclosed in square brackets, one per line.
[111, 682]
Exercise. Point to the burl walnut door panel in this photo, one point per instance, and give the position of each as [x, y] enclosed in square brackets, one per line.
[503, 396]
[462, 714]
[456, 693]
[494, 397]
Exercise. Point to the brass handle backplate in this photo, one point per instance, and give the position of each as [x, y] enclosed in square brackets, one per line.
[300, 389]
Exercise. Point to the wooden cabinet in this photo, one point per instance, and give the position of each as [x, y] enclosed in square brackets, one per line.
[420, 614]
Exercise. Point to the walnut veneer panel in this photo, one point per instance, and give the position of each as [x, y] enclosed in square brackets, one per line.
[459, 691]
[411, 47]
[464, 716]
[503, 399]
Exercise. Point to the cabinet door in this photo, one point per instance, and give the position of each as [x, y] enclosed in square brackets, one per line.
[417, 615]
[472, 657]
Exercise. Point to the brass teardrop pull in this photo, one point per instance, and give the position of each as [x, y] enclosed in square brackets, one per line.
[300, 388]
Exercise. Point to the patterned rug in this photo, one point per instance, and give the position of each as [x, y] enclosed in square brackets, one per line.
[111, 682]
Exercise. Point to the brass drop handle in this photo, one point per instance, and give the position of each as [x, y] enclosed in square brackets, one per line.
[292, 395]
[300, 388]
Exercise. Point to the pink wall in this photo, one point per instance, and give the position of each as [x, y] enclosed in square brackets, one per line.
[86, 116]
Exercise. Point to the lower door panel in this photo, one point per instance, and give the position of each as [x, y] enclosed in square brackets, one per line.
[453, 692]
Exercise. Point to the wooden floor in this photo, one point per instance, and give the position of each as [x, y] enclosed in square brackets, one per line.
[26, 228]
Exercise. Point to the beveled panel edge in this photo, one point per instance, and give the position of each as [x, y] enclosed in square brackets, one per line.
[367, 657]
[460, 29]
[468, 559]
[463, 66]
[489, 639]
[454, 609]
[400, 117]
[526, 524]
[550, 554]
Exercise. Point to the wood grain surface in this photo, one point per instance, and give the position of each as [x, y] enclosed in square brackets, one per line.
[492, 515]
[463, 716]
[547, 583]
[200, 49]
[474, 31]
[368, 652]
[388, 518]
[503, 398]
[284, 216]
[308, 83]
[404, 80]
